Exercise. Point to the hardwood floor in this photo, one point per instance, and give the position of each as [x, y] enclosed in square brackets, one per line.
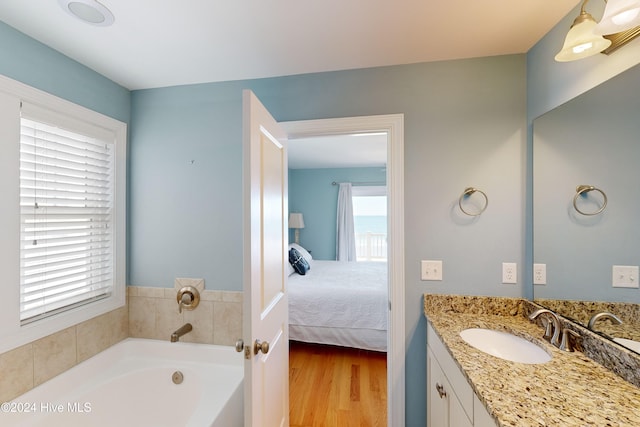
[335, 386]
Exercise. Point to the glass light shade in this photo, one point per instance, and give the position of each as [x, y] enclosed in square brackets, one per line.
[619, 15]
[581, 42]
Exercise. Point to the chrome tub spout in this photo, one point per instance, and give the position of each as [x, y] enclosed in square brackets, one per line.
[186, 328]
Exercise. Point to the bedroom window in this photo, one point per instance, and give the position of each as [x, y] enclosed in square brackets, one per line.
[370, 222]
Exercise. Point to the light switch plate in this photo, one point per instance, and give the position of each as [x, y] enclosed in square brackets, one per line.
[625, 276]
[431, 270]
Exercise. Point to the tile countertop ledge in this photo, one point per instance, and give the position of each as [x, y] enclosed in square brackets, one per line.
[569, 390]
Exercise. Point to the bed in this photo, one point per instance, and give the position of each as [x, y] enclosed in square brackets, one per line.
[340, 303]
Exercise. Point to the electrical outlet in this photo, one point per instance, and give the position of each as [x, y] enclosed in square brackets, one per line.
[625, 276]
[431, 270]
[539, 274]
[509, 272]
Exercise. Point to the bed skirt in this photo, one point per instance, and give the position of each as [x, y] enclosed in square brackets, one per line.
[367, 339]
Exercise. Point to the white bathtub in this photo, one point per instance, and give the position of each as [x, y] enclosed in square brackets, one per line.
[130, 384]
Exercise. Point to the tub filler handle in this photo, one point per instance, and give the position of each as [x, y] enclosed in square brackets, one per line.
[188, 298]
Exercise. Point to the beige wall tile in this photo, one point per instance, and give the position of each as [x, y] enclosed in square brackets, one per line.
[231, 296]
[202, 320]
[93, 336]
[142, 317]
[150, 292]
[119, 324]
[227, 322]
[211, 296]
[16, 372]
[168, 319]
[53, 355]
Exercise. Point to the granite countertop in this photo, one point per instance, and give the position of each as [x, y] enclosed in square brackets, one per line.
[569, 390]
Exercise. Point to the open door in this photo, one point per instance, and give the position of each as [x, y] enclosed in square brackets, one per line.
[265, 307]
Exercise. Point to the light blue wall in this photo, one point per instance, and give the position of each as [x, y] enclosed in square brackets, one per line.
[464, 126]
[311, 192]
[28, 61]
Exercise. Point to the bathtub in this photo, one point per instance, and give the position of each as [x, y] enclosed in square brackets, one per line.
[132, 384]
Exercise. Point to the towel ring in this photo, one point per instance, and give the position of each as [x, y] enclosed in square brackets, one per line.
[582, 189]
[467, 193]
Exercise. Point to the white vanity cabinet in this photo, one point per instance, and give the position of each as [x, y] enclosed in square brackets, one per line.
[451, 401]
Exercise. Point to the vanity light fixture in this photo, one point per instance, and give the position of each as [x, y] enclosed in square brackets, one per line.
[88, 11]
[619, 15]
[620, 24]
[581, 41]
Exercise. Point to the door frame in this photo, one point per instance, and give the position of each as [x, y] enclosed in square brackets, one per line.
[393, 125]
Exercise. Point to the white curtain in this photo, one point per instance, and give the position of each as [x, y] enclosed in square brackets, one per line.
[345, 233]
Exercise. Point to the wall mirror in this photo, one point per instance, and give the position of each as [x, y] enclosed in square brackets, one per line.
[594, 139]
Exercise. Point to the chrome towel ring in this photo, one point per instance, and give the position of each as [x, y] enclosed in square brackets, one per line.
[583, 189]
[467, 193]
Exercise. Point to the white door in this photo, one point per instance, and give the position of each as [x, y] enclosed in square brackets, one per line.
[265, 309]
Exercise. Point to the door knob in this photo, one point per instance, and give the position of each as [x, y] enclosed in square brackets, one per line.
[260, 346]
[240, 345]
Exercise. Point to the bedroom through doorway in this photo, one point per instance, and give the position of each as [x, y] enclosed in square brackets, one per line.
[338, 309]
[390, 127]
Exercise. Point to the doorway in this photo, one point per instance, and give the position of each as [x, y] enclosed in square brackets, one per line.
[393, 127]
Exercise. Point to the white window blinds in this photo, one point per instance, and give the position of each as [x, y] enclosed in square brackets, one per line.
[66, 218]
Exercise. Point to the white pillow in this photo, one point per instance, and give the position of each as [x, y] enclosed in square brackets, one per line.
[305, 254]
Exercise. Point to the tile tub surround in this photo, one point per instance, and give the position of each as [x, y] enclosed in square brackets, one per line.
[569, 390]
[153, 313]
[28, 366]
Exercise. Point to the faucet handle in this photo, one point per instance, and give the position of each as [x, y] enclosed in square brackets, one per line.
[548, 328]
[566, 343]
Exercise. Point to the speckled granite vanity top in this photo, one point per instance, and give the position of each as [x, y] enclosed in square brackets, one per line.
[569, 390]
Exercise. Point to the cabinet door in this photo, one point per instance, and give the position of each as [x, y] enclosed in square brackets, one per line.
[438, 406]
[444, 408]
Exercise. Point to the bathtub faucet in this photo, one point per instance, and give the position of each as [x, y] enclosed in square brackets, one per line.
[175, 337]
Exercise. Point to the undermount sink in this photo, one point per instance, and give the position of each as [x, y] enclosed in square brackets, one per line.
[505, 345]
[630, 344]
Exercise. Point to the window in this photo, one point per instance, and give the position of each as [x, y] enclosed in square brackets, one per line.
[66, 218]
[370, 222]
[62, 220]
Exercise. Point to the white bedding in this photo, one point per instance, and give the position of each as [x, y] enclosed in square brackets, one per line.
[346, 301]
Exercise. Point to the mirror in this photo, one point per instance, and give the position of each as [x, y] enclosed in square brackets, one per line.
[591, 140]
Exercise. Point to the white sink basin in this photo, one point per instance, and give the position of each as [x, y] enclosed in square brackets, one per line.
[630, 344]
[505, 345]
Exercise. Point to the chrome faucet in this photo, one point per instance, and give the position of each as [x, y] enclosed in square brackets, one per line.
[186, 328]
[557, 326]
[603, 315]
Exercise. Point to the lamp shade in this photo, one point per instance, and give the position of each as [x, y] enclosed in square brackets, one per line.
[581, 42]
[619, 15]
[296, 220]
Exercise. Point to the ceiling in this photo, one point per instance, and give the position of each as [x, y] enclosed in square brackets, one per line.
[338, 151]
[158, 43]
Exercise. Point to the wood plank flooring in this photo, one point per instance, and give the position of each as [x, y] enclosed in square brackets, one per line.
[335, 386]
